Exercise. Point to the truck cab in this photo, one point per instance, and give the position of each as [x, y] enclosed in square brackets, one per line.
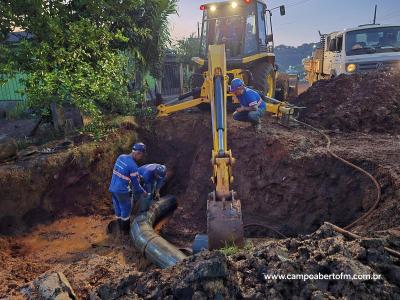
[360, 49]
[364, 48]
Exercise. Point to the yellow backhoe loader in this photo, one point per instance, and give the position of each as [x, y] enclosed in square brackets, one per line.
[234, 44]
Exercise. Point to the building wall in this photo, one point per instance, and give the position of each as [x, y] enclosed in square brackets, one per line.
[11, 90]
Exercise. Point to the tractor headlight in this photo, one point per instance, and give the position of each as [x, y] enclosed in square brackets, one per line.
[234, 4]
[351, 68]
[213, 8]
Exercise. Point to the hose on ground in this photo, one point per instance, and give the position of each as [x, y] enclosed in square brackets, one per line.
[375, 182]
[266, 227]
[351, 235]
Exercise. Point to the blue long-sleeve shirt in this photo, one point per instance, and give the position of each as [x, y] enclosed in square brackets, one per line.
[251, 98]
[148, 173]
[125, 172]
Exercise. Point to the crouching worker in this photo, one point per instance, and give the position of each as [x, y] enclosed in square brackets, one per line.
[153, 177]
[252, 107]
[125, 178]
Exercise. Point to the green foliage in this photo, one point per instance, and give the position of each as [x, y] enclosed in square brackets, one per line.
[85, 52]
[20, 111]
[187, 48]
[229, 249]
[249, 246]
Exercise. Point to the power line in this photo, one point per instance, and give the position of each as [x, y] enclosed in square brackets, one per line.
[297, 3]
[395, 16]
[390, 14]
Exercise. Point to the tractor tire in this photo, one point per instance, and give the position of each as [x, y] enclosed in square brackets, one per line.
[282, 87]
[263, 77]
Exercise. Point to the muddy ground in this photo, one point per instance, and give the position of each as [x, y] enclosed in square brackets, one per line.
[286, 181]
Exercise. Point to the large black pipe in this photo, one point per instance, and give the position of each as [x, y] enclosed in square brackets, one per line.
[148, 242]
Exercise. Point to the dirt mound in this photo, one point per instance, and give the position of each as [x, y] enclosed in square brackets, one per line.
[361, 102]
[248, 274]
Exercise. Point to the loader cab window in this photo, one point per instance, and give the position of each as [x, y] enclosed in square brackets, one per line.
[339, 43]
[222, 27]
[262, 32]
[335, 44]
[250, 38]
[203, 39]
[332, 45]
[327, 44]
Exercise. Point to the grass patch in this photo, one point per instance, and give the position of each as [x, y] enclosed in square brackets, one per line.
[231, 249]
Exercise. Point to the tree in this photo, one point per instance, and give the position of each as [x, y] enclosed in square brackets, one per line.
[80, 49]
[187, 48]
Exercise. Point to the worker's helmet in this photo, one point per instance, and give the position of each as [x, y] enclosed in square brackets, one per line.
[235, 84]
[161, 170]
[139, 147]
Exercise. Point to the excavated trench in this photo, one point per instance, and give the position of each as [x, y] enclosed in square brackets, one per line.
[288, 185]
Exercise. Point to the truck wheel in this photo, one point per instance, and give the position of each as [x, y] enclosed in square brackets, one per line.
[264, 78]
[282, 87]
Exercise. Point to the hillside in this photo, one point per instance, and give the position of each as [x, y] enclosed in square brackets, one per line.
[292, 56]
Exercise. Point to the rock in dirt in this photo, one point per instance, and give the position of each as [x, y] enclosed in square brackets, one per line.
[368, 102]
[8, 147]
[54, 286]
[248, 274]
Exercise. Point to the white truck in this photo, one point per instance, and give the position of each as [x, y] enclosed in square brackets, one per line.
[359, 49]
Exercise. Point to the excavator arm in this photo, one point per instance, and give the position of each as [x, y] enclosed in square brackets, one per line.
[224, 214]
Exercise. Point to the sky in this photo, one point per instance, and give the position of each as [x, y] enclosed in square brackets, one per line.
[303, 18]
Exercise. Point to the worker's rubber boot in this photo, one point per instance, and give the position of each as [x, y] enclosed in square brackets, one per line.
[120, 226]
[125, 226]
[113, 226]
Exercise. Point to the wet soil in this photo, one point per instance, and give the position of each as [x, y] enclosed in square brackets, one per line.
[78, 246]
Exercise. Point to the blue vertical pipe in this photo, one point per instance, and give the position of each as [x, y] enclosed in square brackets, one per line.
[219, 111]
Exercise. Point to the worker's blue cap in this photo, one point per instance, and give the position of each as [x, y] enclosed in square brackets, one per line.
[161, 170]
[139, 147]
[235, 84]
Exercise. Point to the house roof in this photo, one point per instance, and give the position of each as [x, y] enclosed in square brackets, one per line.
[15, 37]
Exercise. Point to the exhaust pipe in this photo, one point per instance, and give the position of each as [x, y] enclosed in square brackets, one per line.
[156, 249]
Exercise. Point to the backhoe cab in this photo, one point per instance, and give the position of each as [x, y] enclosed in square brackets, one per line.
[234, 44]
[241, 26]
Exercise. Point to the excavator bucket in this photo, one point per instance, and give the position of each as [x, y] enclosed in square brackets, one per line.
[224, 223]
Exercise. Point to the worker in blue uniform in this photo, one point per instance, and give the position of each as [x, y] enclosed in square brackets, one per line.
[153, 178]
[125, 179]
[252, 107]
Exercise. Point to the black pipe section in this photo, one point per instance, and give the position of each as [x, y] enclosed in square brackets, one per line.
[156, 249]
